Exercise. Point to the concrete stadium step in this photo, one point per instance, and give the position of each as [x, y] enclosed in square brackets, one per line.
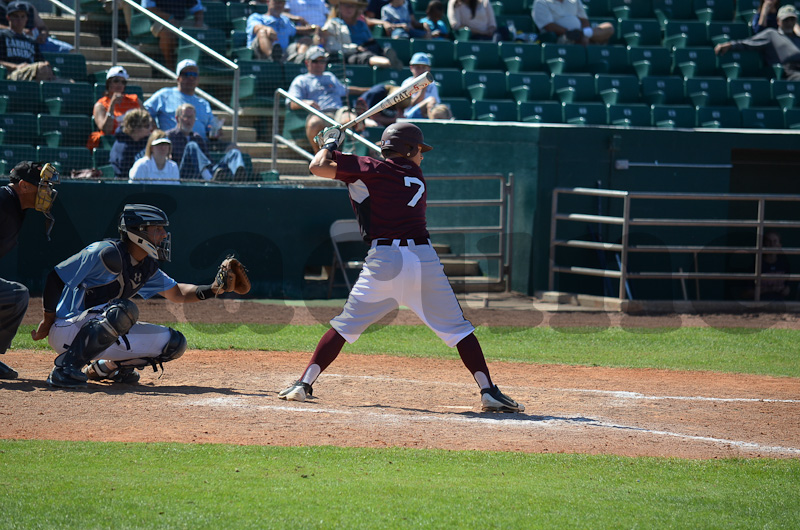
[460, 267]
[97, 53]
[87, 39]
[286, 166]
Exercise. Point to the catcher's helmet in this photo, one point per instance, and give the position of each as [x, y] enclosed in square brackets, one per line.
[403, 138]
[133, 225]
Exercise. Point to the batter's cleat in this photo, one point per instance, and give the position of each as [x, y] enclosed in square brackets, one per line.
[98, 371]
[67, 377]
[299, 391]
[492, 400]
[6, 372]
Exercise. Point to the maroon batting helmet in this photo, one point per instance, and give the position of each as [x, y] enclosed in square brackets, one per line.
[403, 138]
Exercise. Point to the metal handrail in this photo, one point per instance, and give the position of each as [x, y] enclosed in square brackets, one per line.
[626, 221]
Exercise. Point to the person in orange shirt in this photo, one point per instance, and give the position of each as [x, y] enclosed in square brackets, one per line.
[111, 108]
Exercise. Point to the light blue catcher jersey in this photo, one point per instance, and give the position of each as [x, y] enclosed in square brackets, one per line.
[86, 270]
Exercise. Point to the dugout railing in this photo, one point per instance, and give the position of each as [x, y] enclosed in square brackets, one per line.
[620, 249]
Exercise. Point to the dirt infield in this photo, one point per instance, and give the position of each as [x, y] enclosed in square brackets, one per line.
[383, 401]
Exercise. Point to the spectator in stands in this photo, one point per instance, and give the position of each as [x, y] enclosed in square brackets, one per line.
[269, 35]
[313, 12]
[19, 53]
[372, 14]
[423, 101]
[568, 20]
[434, 20]
[37, 29]
[345, 32]
[781, 46]
[400, 23]
[176, 12]
[156, 166]
[478, 17]
[372, 97]
[190, 151]
[321, 90]
[131, 140]
[440, 112]
[110, 109]
[767, 16]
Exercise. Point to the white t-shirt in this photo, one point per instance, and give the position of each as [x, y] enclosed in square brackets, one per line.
[145, 170]
[566, 14]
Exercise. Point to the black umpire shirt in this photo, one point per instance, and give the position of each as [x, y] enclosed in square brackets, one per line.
[11, 217]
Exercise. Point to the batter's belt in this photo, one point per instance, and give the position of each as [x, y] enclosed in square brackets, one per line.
[402, 242]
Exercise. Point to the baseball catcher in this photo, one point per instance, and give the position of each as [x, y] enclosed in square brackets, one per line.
[89, 318]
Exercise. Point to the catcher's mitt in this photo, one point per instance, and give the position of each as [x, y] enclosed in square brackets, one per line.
[231, 276]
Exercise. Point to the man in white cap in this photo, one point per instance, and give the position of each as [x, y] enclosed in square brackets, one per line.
[427, 98]
[321, 90]
[781, 46]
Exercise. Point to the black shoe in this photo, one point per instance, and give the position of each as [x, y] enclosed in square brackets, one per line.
[241, 174]
[67, 377]
[6, 372]
[126, 376]
[223, 174]
[492, 400]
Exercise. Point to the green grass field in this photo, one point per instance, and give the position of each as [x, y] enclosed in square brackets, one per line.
[45, 484]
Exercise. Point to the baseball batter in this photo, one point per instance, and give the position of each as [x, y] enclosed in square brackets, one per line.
[401, 267]
[89, 317]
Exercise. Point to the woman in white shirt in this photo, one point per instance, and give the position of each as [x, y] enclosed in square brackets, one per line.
[157, 166]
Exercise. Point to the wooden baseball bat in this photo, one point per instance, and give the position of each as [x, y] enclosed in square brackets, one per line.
[417, 84]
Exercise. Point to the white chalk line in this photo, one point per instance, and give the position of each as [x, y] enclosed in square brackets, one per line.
[611, 393]
[501, 421]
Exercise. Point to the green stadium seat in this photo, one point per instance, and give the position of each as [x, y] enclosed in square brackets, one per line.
[694, 62]
[791, 118]
[683, 33]
[673, 10]
[746, 10]
[718, 32]
[540, 112]
[649, 61]
[266, 78]
[215, 39]
[67, 98]
[741, 63]
[629, 115]
[708, 10]
[515, 7]
[626, 9]
[485, 84]
[244, 10]
[718, 117]
[477, 55]
[707, 91]
[521, 23]
[100, 157]
[66, 130]
[564, 58]
[640, 32]
[442, 52]
[402, 47]
[615, 89]
[521, 57]
[13, 154]
[533, 86]
[20, 127]
[449, 81]
[750, 92]
[357, 74]
[785, 92]
[66, 158]
[216, 15]
[585, 113]
[674, 116]
[460, 107]
[607, 60]
[762, 119]
[494, 110]
[69, 65]
[659, 90]
[596, 8]
[569, 88]
[388, 75]
[22, 96]
[140, 30]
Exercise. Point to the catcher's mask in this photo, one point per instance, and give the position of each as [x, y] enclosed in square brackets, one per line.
[44, 176]
[403, 138]
[133, 225]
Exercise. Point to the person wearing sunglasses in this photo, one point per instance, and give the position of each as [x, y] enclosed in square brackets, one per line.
[110, 109]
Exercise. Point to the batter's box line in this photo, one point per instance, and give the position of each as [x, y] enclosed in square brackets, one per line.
[500, 421]
[620, 394]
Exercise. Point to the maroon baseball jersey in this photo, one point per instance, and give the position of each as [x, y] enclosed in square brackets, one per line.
[388, 196]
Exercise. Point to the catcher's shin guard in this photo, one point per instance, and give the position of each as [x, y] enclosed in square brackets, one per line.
[175, 347]
[92, 339]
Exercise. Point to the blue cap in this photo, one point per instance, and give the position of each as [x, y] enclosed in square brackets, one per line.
[420, 58]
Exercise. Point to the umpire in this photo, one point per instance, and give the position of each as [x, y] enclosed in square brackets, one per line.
[30, 186]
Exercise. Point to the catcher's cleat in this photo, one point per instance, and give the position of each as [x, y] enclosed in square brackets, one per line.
[66, 377]
[98, 371]
[6, 372]
[299, 391]
[492, 400]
